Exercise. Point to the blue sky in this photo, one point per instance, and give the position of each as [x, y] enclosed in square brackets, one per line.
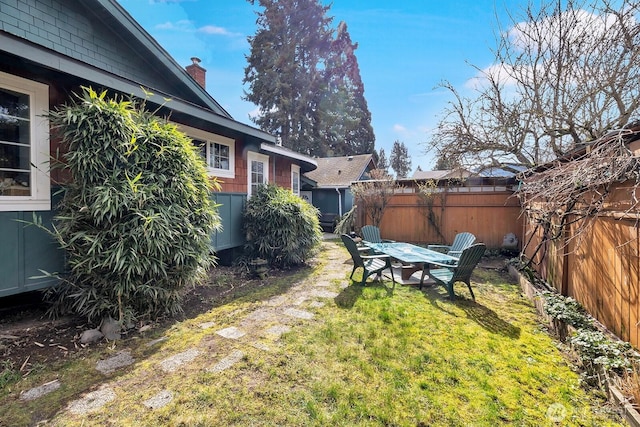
[405, 49]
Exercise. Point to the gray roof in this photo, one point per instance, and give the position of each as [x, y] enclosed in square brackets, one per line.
[341, 171]
[442, 174]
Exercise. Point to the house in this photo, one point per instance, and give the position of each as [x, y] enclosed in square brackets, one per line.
[48, 50]
[328, 186]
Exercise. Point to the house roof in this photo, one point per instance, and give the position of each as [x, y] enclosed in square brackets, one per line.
[506, 170]
[171, 86]
[442, 174]
[340, 172]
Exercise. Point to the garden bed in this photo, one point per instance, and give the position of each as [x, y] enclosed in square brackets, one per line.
[562, 330]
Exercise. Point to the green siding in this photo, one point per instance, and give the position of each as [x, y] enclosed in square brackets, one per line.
[231, 206]
[326, 200]
[25, 250]
[67, 27]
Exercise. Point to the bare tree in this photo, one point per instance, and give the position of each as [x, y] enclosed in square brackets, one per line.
[374, 195]
[563, 75]
[573, 193]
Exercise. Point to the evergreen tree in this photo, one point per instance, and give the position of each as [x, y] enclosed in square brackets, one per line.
[307, 84]
[284, 69]
[346, 121]
[383, 162]
[400, 162]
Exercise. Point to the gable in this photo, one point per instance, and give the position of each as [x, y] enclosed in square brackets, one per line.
[341, 171]
[101, 34]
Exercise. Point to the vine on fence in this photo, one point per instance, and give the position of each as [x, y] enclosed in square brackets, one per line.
[575, 191]
[428, 191]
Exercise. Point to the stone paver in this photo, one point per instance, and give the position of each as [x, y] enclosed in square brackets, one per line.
[316, 304]
[171, 364]
[231, 332]
[298, 314]
[207, 325]
[300, 300]
[260, 346]
[120, 360]
[227, 362]
[323, 294]
[40, 391]
[92, 401]
[262, 314]
[276, 301]
[161, 399]
[278, 330]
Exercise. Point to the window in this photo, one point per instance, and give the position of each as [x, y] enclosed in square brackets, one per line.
[258, 171]
[217, 150]
[295, 179]
[24, 145]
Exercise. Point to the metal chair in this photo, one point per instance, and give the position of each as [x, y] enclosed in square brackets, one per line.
[460, 242]
[371, 264]
[447, 275]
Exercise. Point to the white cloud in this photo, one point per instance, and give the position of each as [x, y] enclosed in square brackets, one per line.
[576, 27]
[500, 73]
[182, 25]
[187, 26]
[215, 30]
[399, 128]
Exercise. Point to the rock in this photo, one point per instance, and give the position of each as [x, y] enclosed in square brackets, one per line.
[111, 329]
[90, 336]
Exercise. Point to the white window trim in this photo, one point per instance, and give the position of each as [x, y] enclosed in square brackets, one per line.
[40, 198]
[295, 169]
[209, 137]
[253, 156]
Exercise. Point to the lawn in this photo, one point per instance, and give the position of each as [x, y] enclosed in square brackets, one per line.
[372, 356]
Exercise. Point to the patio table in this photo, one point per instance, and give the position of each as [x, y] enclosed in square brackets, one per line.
[414, 258]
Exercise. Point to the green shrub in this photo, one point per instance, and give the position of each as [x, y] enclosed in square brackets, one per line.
[281, 227]
[567, 310]
[136, 219]
[600, 356]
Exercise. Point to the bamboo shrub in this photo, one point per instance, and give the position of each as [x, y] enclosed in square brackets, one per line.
[281, 227]
[136, 218]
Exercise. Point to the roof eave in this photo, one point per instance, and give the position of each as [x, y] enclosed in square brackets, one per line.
[306, 163]
[129, 24]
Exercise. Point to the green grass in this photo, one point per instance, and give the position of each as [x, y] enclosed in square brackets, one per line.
[370, 358]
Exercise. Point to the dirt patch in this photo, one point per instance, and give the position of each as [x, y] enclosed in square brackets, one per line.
[29, 339]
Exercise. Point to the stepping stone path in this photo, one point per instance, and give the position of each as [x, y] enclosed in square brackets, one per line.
[269, 322]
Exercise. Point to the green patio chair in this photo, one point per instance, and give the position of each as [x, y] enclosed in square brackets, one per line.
[371, 234]
[460, 242]
[447, 275]
[371, 264]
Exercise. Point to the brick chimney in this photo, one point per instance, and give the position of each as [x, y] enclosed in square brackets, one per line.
[196, 71]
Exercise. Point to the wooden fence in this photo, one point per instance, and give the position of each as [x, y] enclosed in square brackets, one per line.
[488, 211]
[599, 268]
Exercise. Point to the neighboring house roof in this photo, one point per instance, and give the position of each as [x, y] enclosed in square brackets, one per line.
[503, 171]
[340, 172]
[442, 174]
